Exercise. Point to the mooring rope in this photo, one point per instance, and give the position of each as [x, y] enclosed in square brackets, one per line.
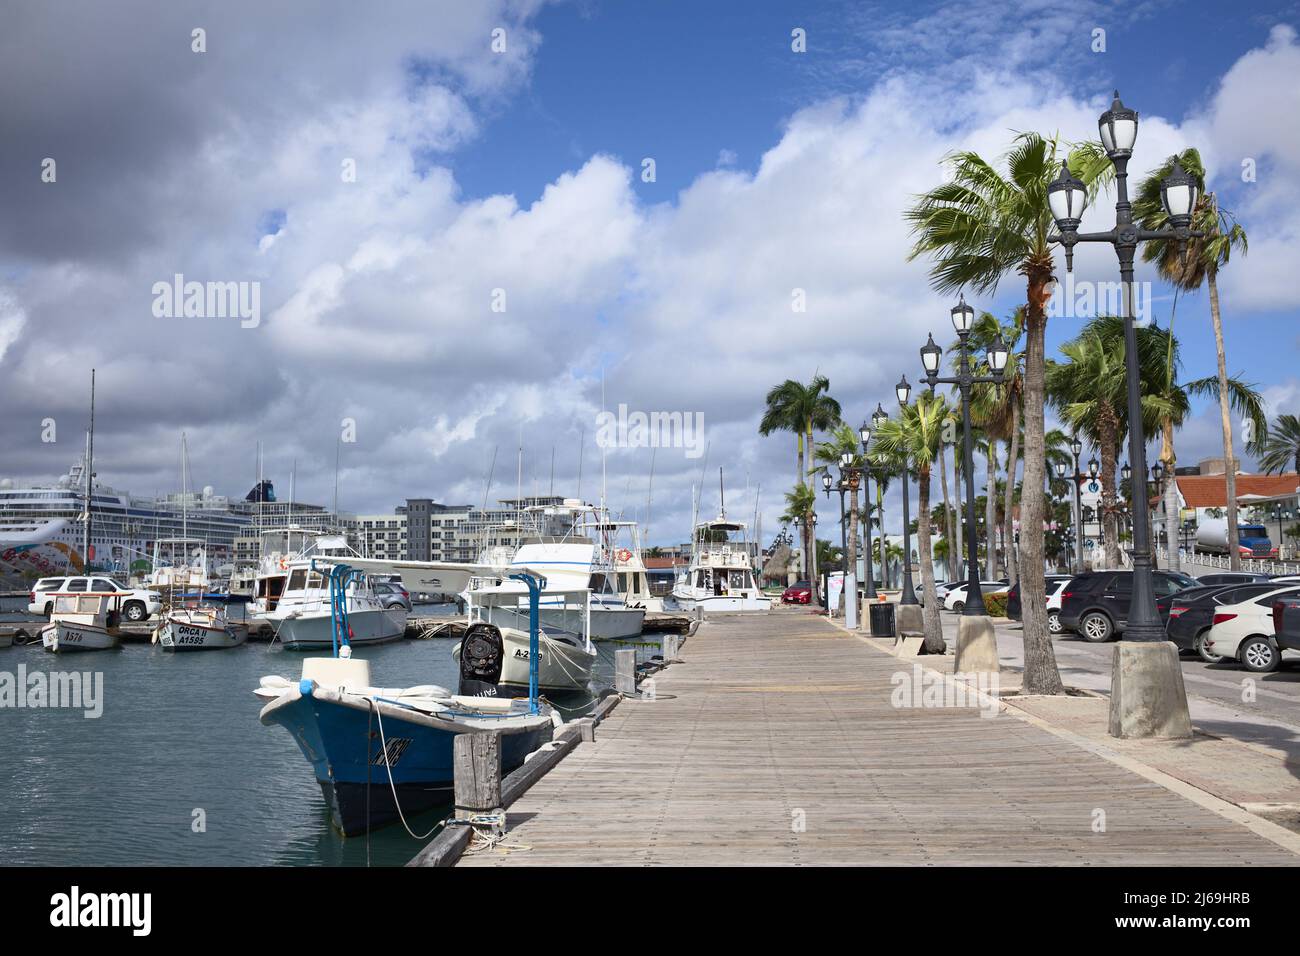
[383, 742]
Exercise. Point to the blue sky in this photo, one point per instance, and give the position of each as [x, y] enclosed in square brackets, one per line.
[686, 83]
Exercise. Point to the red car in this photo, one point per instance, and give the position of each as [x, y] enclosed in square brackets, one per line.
[797, 593]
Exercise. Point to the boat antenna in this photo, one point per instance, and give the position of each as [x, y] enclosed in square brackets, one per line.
[90, 474]
[582, 438]
[185, 510]
[551, 492]
[649, 491]
[722, 496]
[602, 446]
[487, 486]
[519, 479]
[338, 444]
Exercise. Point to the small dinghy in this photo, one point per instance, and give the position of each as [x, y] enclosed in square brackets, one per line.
[83, 622]
[381, 754]
[202, 628]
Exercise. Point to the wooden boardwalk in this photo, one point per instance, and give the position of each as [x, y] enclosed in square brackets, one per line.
[776, 720]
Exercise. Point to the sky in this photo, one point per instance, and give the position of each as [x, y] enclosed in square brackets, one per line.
[471, 227]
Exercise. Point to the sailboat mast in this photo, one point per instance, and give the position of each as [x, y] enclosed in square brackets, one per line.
[185, 499]
[90, 472]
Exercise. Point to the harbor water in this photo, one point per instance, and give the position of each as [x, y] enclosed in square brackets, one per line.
[178, 770]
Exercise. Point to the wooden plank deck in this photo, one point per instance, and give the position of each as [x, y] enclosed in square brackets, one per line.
[771, 717]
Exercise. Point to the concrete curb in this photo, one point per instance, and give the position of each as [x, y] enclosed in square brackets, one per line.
[1261, 827]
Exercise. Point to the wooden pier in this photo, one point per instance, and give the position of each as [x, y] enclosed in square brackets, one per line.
[775, 742]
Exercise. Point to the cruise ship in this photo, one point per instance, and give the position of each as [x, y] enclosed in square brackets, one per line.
[42, 528]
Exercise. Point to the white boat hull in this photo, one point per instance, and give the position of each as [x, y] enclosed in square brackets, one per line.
[607, 623]
[61, 638]
[316, 630]
[723, 603]
[181, 635]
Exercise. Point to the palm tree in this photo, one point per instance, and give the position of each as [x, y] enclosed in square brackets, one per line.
[996, 408]
[1186, 270]
[917, 434]
[800, 505]
[794, 407]
[980, 227]
[1089, 392]
[1174, 407]
[1279, 445]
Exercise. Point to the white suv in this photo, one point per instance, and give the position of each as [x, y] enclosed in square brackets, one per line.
[138, 604]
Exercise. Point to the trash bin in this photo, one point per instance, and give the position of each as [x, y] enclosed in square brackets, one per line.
[882, 619]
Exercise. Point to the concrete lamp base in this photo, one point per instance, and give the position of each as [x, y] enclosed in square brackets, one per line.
[1147, 696]
[977, 646]
[910, 622]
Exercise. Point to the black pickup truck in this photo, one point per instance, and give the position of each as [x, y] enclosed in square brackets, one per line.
[1286, 623]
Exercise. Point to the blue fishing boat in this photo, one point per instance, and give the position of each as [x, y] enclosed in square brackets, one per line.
[382, 755]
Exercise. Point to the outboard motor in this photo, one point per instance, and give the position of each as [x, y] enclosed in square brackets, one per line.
[482, 654]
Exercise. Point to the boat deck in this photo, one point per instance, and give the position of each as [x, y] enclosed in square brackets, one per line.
[775, 742]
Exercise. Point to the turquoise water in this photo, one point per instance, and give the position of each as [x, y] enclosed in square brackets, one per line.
[179, 733]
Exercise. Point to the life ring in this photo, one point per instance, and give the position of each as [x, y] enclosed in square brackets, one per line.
[284, 564]
[625, 555]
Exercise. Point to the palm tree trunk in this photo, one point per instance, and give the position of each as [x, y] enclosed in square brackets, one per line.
[1107, 432]
[958, 514]
[947, 515]
[1041, 675]
[1171, 515]
[880, 538]
[853, 549]
[1229, 460]
[805, 560]
[934, 643]
[991, 511]
[813, 580]
[1009, 497]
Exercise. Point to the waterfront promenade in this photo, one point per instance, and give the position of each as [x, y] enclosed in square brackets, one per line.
[775, 742]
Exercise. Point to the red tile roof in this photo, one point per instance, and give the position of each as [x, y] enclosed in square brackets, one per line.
[1210, 491]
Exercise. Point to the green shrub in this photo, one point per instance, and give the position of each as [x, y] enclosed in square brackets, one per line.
[996, 604]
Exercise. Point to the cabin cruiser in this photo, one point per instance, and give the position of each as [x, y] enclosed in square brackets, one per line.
[721, 573]
[305, 615]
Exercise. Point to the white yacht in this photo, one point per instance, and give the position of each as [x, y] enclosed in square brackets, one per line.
[292, 593]
[721, 572]
[304, 618]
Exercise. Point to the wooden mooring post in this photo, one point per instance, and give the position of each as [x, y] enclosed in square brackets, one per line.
[670, 646]
[625, 672]
[477, 767]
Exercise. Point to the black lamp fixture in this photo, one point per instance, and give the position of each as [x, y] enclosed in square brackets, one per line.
[1118, 128]
[963, 318]
[1093, 466]
[1126, 473]
[903, 390]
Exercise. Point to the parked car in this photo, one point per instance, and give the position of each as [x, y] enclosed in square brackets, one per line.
[955, 599]
[1286, 623]
[392, 595]
[797, 593]
[1190, 613]
[1095, 604]
[1233, 577]
[1055, 585]
[1244, 631]
[138, 604]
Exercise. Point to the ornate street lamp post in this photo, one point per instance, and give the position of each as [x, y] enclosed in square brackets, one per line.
[1153, 702]
[904, 391]
[975, 640]
[864, 433]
